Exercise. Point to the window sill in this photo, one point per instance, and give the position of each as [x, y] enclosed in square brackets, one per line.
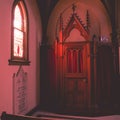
[18, 62]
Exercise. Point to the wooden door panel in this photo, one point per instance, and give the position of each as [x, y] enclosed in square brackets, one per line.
[75, 94]
[75, 85]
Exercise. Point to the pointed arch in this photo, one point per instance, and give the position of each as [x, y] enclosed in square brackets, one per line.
[75, 22]
[19, 37]
[99, 17]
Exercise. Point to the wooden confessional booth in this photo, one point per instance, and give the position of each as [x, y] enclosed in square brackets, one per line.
[84, 69]
[73, 67]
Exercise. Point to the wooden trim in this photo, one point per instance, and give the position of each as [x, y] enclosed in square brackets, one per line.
[18, 62]
[6, 116]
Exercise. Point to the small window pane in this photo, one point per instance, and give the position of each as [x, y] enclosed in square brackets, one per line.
[17, 18]
[18, 43]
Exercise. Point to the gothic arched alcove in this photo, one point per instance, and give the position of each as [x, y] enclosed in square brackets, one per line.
[75, 32]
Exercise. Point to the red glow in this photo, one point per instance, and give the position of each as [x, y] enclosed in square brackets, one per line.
[69, 65]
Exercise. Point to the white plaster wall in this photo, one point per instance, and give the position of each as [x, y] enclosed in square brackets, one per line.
[6, 71]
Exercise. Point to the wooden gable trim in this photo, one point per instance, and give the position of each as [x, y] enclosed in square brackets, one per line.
[75, 22]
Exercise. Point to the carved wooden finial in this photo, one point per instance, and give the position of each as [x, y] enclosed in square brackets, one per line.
[61, 22]
[87, 20]
[73, 7]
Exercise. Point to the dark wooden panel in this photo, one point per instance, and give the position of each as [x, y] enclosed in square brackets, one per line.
[75, 93]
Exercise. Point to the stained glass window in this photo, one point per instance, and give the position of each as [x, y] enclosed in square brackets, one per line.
[19, 46]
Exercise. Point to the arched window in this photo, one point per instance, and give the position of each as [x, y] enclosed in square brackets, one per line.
[19, 42]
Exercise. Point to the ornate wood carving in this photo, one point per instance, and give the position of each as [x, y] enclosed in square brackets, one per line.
[73, 83]
[74, 22]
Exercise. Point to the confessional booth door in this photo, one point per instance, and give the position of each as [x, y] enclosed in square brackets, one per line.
[75, 76]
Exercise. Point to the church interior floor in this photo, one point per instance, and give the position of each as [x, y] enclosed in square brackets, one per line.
[55, 115]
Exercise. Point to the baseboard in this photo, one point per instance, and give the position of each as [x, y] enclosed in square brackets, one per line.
[31, 112]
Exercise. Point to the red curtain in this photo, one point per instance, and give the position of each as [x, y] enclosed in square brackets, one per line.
[75, 60]
[69, 61]
[80, 61]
